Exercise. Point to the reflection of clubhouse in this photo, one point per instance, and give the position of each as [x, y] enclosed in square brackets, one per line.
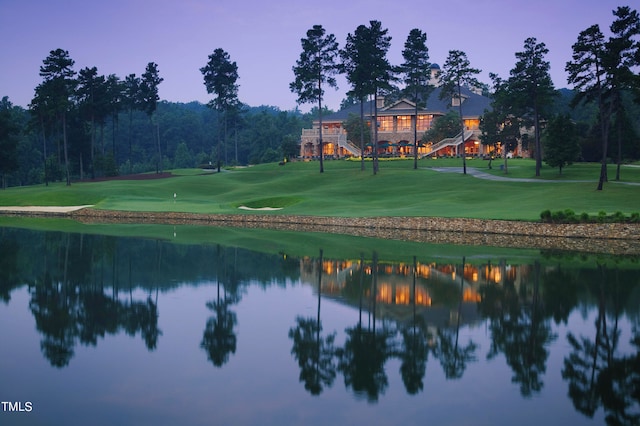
[437, 291]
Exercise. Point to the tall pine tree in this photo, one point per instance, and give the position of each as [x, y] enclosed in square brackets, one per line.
[317, 66]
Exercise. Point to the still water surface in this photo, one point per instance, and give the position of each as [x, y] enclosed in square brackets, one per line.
[112, 330]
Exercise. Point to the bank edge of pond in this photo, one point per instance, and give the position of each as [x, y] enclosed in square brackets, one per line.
[609, 238]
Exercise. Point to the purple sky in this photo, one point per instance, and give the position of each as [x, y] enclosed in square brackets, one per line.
[121, 36]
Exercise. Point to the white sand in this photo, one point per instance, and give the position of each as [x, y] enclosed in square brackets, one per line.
[261, 208]
[46, 209]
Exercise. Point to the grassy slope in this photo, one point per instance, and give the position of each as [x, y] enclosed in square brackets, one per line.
[343, 190]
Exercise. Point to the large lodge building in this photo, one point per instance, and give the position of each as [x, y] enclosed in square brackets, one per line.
[396, 122]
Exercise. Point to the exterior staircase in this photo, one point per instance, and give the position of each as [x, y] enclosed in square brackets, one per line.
[337, 137]
[344, 143]
[454, 141]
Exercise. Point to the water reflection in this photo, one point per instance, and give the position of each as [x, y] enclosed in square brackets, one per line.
[219, 339]
[596, 372]
[314, 352]
[413, 315]
[519, 329]
[66, 316]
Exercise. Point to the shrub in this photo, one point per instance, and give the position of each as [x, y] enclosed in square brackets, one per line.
[545, 216]
[558, 217]
[569, 216]
[618, 217]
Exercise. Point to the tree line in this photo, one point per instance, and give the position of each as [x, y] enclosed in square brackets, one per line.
[84, 125]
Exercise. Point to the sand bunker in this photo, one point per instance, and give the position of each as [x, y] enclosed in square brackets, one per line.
[45, 209]
[261, 208]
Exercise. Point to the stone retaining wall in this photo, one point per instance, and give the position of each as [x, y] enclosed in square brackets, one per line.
[612, 238]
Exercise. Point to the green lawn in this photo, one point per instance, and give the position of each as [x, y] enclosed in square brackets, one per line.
[343, 190]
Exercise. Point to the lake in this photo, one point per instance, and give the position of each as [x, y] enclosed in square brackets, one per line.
[201, 326]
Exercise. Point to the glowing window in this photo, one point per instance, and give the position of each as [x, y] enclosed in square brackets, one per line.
[424, 122]
[404, 123]
[386, 124]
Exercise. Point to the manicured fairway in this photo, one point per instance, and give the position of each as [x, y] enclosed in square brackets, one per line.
[344, 190]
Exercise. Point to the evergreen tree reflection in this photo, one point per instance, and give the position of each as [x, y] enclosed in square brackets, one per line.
[314, 353]
[365, 352]
[414, 351]
[143, 317]
[52, 310]
[219, 339]
[70, 312]
[598, 376]
[9, 273]
[453, 357]
[520, 331]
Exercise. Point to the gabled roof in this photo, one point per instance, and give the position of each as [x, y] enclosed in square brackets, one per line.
[402, 104]
[474, 106]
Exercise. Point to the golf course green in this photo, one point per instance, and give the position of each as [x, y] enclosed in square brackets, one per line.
[344, 190]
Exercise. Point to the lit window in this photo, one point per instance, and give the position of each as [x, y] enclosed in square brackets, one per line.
[404, 123]
[386, 124]
[424, 122]
[472, 124]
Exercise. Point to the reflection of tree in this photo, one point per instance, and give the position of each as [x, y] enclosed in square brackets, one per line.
[9, 274]
[53, 312]
[582, 366]
[560, 294]
[143, 317]
[219, 339]
[365, 352]
[619, 388]
[597, 375]
[452, 356]
[362, 362]
[519, 330]
[66, 316]
[314, 353]
[414, 349]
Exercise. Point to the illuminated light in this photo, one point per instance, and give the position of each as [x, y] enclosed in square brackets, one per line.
[384, 293]
[422, 297]
[471, 296]
[403, 295]
[474, 276]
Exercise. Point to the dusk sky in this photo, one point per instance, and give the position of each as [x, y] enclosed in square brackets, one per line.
[121, 36]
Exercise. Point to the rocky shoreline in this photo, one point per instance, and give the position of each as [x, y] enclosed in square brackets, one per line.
[609, 238]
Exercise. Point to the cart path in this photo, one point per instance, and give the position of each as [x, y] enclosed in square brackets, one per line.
[483, 175]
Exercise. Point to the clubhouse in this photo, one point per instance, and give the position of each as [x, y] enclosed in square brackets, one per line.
[396, 121]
